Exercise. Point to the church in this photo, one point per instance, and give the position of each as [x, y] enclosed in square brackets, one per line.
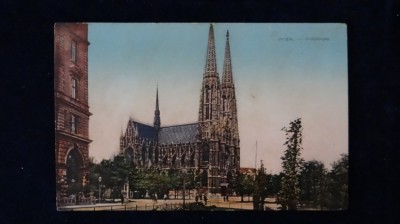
[209, 147]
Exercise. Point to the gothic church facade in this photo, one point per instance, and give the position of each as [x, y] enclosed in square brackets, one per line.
[210, 147]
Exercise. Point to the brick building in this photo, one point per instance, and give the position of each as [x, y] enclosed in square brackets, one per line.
[71, 106]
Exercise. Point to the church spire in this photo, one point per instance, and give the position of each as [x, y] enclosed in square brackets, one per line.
[209, 109]
[157, 120]
[227, 71]
[228, 97]
[211, 62]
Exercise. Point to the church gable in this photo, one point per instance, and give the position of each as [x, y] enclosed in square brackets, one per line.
[143, 130]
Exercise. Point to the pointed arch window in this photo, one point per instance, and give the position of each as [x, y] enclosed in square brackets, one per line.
[205, 153]
[207, 95]
[143, 154]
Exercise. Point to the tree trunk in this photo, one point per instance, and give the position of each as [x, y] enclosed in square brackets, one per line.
[292, 205]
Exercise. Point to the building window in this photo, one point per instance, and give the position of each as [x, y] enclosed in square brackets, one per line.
[73, 51]
[74, 124]
[74, 88]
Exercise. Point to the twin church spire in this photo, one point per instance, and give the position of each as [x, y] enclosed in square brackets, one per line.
[217, 109]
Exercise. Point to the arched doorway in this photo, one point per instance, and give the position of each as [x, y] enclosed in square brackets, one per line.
[74, 163]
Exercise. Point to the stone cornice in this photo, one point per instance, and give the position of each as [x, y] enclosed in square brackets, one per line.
[75, 104]
[73, 136]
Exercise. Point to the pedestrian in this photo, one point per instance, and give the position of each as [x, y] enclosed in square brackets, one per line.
[205, 199]
[223, 197]
[196, 198]
[155, 197]
[227, 198]
[122, 198]
[165, 198]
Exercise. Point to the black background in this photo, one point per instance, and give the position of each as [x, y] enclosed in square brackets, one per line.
[27, 128]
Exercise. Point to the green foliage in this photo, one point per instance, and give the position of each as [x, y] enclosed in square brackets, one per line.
[274, 184]
[152, 181]
[114, 174]
[119, 171]
[260, 188]
[291, 162]
[244, 185]
[313, 184]
[337, 184]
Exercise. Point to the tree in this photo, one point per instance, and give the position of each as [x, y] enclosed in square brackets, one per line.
[291, 162]
[274, 184]
[173, 180]
[337, 188]
[260, 188]
[312, 183]
[244, 185]
[114, 173]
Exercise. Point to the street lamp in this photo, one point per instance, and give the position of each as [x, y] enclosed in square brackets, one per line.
[184, 177]
[99, 188]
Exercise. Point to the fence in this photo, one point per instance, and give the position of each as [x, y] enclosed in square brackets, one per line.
[66, 201]
[172, 205]
[125, 207]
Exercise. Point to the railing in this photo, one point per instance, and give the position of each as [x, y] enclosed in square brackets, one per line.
[65, 201]
[126, 207]
[156, 207]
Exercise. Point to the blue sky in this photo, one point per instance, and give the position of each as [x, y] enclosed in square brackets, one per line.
[281, 72]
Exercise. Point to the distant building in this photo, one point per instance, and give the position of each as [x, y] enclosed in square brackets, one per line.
[71, 105]
[248, 171]
[209, 147]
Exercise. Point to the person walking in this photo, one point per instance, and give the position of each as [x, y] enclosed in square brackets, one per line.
[122, 198]
[165, 198]
[196, 198]
[205, 199]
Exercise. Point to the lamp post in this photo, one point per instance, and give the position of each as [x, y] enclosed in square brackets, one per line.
[99, 188]
[184, 177]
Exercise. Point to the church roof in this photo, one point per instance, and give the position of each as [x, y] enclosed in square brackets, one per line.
[146, 131]
[178, 134]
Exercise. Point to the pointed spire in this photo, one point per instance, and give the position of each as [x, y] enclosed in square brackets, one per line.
[157, 108]
[211, 62]
[157, 120]
[227, 72]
